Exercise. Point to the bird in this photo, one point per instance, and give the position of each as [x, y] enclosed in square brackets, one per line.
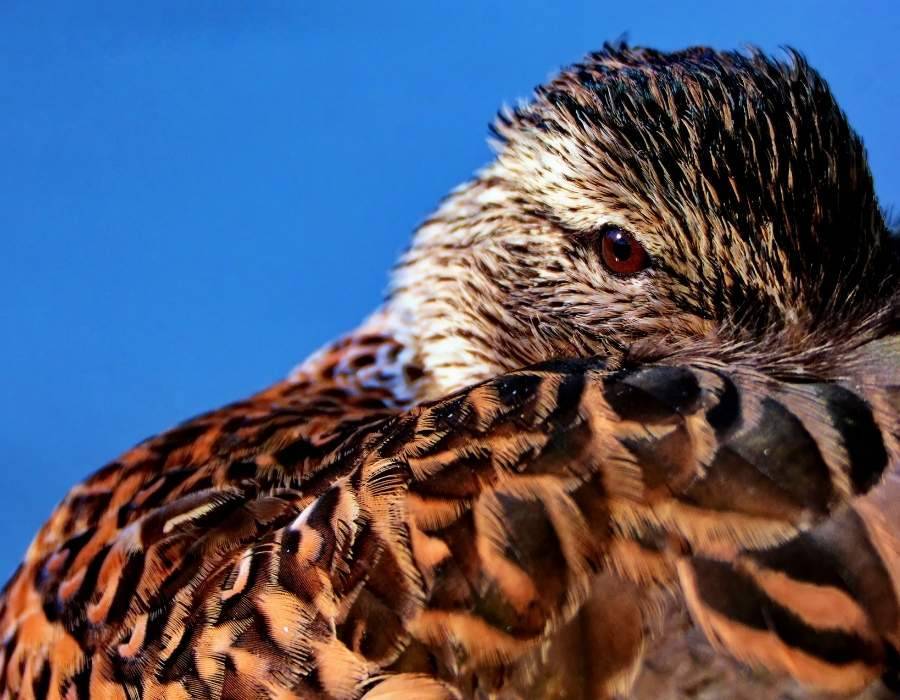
[627, 424]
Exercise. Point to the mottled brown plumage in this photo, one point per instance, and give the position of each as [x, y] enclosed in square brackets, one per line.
[518, 475]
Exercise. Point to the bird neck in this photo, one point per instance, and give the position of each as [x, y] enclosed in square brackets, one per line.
[446, 296]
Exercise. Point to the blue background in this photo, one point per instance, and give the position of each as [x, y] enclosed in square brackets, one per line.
[195, 195]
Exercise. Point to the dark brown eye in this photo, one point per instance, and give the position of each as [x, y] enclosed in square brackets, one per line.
[621, 253]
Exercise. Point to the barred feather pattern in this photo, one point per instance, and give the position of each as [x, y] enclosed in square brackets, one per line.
[322, 540]
[413, 515]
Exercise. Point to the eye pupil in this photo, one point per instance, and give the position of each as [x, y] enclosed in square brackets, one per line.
[621, 246]
[621, 253]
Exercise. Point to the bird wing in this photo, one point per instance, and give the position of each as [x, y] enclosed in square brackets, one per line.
[313, 542]
[824, 605]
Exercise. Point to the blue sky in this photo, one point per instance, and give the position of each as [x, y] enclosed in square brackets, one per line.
[195, 195]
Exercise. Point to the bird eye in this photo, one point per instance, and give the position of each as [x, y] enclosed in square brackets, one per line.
[621, 253]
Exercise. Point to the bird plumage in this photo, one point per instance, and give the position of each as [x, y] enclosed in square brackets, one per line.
[510, 479]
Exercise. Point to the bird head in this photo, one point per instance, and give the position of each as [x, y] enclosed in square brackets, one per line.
[647, 203]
